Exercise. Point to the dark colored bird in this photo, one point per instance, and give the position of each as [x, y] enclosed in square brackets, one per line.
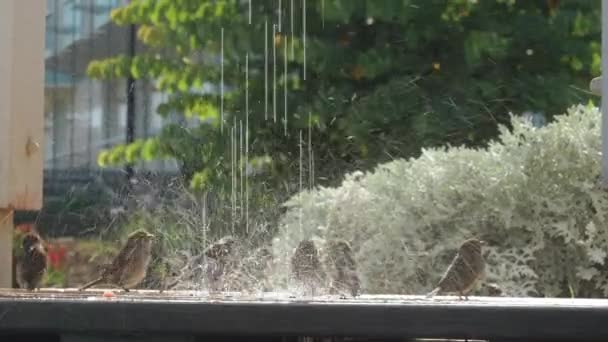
[130, 266]
[33, 263]
[342, 268]
[222, 248]
[465, 270]
[219, 262]
[306, 268]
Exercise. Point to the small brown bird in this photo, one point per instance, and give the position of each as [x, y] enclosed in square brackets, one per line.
[342, 268]
[465, 270]
[494, 290]
[306, 268]
[130, 266]
[222, 248]
[251, 275]
[219, 262]
[262, 267]
[33, 263]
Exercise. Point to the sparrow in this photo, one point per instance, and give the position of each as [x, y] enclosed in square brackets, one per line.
[252, 275]
[494, 290]
[219, 261]
[129, 267]
[465, 270]
[306, 268]
[262, 267]
[33, 263]
[342, 268]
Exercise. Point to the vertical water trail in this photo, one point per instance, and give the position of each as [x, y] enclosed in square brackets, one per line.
[240, 169]
[266, 70]
[246, 143]
[232, 173]
[222, 81]
[304, 34]
[285, 85]
[247, 178]
[301, 177]
[280, 15]
[274, 72]
[322, 13]
[293, 50]
[246, 90]
[310, 170]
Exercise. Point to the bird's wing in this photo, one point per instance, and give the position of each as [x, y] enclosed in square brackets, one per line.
[449, 274]
[124, 255]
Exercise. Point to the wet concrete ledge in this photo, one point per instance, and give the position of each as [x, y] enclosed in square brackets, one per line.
[185, 315]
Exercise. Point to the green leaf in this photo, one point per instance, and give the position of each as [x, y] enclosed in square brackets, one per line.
[151, 149]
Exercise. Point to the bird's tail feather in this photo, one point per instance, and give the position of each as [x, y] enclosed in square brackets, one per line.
[94, 282]
[432, 293]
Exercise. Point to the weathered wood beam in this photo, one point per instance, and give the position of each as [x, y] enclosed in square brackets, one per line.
[21, 117]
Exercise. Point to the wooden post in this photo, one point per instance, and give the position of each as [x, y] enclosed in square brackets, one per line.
[21, 117]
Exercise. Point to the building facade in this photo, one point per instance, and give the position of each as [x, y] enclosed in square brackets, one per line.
[82, 115]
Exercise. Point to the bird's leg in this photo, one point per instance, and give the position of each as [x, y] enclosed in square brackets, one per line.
[126, 289]
[460, 294]
[94, 282]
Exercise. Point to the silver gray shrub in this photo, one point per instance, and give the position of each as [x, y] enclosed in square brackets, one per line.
[533, 194]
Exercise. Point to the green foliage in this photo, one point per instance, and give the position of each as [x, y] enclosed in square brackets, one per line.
[54, 278]
[184, 224]
[384, 78]
[533, 194]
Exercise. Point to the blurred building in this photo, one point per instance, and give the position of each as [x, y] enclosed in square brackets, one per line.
[83, 116]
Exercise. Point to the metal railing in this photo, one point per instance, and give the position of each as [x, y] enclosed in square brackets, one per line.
[194, 316]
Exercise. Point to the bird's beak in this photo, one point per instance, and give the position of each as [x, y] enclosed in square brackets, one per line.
[151, 236]
[483, 243]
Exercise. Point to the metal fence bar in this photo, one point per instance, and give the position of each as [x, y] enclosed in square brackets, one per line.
[180, 313]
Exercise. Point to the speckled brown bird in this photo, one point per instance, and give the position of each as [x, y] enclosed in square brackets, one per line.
[219, 262]
[259, 267]
[465, 270]
[341, 268]
[33, 262]
[262, 268]
[306, 267]
[493, 290]
[252, 273]
[130, 266]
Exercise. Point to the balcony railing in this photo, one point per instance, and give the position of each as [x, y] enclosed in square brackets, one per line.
[63, 315]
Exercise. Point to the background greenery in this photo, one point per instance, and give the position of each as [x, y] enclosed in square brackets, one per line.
[534, 195]
[384, 79]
